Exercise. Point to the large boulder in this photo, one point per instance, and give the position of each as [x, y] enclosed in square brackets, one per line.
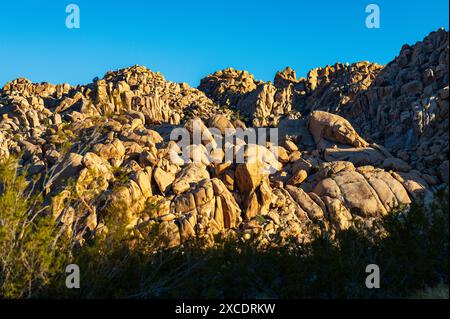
[334, 128]
[221, 123]
[206, 209]
[365, 191]
[191, 174]
[254, 186]
[164, 175]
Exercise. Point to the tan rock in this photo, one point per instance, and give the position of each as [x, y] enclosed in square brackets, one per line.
[281, 153]
[213, 205]
[334, 128]
[339, 216]
[290, 146]
[298, 177]
[222, 124]
[359, 195]
[94, 178]
[163, 179]
[314, 211]
[191, 174]
[198, 129]
[389, 190]
[228, 179]
[248, 176]
[187, 226]
[413, 182]
[295, 156]
[113, 152]
[143, 180]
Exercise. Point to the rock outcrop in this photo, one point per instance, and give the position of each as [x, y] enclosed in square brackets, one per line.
[355, 143]
[406, 107]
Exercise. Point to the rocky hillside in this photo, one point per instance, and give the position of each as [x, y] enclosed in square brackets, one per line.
[355, 142]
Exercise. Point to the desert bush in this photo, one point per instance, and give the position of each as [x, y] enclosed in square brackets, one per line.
[31, 250]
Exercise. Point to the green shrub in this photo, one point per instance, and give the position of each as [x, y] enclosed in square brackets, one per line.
[30, 248]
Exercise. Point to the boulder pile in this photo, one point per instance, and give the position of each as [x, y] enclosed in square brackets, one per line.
[354, 143]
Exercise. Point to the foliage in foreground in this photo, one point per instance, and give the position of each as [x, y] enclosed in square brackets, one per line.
[31, 250]
[413, 258]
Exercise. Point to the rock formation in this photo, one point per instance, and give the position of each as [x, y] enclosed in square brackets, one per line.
[355, 142]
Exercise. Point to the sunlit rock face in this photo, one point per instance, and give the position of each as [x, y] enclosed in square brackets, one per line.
[355, 142]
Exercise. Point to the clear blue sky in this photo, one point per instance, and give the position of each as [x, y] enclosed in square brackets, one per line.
[186, 40]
